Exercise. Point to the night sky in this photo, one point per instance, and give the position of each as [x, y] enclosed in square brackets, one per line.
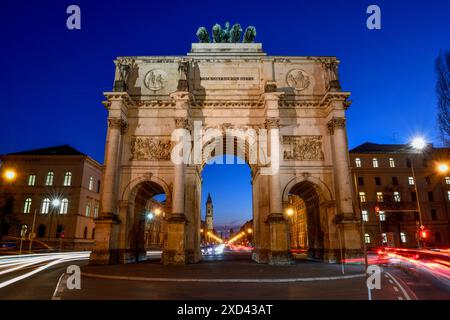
[52, 78]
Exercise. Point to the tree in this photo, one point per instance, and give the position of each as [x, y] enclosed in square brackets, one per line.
[443, 94]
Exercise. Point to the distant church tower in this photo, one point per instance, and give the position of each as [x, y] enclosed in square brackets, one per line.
[209, 214]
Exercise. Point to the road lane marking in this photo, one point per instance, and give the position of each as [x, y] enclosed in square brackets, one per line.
[400, 286]
[54, 297]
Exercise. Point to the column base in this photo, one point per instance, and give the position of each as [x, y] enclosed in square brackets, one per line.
[174, 257]
[260, 255]
[105, 249]
[280, 258]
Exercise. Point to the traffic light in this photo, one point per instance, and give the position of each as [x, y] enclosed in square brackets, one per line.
[424, 234]
[377, 210]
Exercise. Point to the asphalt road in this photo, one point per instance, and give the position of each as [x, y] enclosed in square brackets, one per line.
[229, 277]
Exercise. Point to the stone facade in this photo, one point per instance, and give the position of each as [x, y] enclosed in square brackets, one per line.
[227, 86]
[74, 177]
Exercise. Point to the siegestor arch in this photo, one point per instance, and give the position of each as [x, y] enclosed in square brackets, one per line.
[322, 190]
[132, 188]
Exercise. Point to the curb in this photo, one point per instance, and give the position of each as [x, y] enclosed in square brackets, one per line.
[100, 276]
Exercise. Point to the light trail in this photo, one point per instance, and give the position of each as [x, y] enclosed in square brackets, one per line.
[14, 264]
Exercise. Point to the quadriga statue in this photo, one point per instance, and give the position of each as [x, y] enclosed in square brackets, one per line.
[249, 34]
[202, 35]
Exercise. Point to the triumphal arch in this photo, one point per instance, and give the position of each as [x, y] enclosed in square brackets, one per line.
[283, 115]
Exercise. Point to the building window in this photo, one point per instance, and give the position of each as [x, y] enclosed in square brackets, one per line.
[384, 237]
[416, 216]
[397, 196]
[91, 183]
[366, 238]
[378, 181]
[45, 206]
[413, 196]
[88, 209]
[408, 163]
[98, 186]
[59, 231]
[365, 215]
[403, 237]
[375, 162]
[382, 216]
[447, 180]
[358, 162]
[360, 181]
[85, 233]
[96, 211]
[428, 180]
[379, 196]
[31, 179]
[68, 179]
[411, 181]
[430, 196]
[391, 163]
[27, 205]
[362, 196]
[433, 214]
[63, 209]
[448, 195]
[41, 231]
[49, 178]
[395, 181]
[93, 233]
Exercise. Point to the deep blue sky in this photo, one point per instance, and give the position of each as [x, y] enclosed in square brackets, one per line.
[52, 79]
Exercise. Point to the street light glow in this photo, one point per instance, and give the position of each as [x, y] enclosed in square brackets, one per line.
[157, 211]
[149, 216]
[442, 167]
[56, 202]
[10, 175]
[249, 230]
[418, 143]
[290, 211]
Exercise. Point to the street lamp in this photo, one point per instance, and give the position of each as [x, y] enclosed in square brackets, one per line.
[290, 211]
[419, 145]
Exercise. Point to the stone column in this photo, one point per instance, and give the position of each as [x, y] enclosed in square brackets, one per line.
[336, 127]
[278, 225]
[106, 249]
[346, 219]
[175, 246]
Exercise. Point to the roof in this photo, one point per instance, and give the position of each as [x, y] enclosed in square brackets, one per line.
[369, 147]
[63, 150]
[209, 199]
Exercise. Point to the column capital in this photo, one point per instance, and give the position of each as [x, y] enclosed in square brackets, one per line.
[336, 123]
[272, 123]
[182, 123]
[118, 123]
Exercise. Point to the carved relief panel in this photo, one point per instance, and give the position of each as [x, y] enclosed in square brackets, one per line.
[150, 148]
[302, 148]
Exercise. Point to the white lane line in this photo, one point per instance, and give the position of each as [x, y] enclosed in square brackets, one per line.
[54, 297]
[100, 276]
[391, 282]
[400, 286]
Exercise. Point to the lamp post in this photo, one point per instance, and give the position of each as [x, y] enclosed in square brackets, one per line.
[55, 204]
[419, 145]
